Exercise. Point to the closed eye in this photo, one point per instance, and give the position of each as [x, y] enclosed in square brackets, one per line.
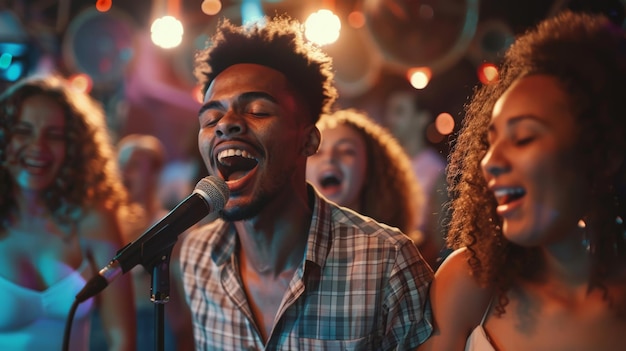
[209, 118]
[259, 114]
[21, 131]
[524, 141]
[56, 136]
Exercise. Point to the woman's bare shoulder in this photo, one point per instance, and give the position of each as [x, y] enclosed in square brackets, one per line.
[99, 227]
[454, 277]
[458, 302]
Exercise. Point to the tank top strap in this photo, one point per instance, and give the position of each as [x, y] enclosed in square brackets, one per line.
[482, 321]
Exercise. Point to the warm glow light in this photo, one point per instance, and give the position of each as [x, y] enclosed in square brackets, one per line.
[322, 27]
[197, 93]
[356, 19]
[81, 82]
[103, 5]
[211, 7]
[433, 135]
[444, 123]
[167, 32]
[426, 11]
[419, 77]
[488, 73]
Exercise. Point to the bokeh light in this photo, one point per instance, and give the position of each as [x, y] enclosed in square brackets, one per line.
[5, 60]
[419, 77]
[103, 5]
[211, 7]
[433, 135]
[356, 19]
[444, 123]
[488, 73]
[197, 93]
[167, 32]
[322, 27]
[81, 82]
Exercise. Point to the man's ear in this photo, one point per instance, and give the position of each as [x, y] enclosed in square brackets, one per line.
[312, 141]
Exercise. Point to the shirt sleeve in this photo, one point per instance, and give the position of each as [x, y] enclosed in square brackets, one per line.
[408, 315]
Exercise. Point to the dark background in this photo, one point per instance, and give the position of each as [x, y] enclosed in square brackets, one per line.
[150, 90]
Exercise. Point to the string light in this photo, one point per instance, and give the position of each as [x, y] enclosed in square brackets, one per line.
[488, 73]
[322, 27]
[444, 123]
[103, 5]
[419, 77]
[211, 7]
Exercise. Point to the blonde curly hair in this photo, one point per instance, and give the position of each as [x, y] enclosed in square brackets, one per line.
[392, 194]
[89, 176]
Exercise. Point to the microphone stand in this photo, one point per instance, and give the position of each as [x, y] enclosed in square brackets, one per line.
[160, 294]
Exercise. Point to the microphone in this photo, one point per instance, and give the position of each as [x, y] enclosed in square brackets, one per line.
[209, 196]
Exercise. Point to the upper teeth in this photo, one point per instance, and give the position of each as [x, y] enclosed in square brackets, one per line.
[34, 163]
[508, 191]
[233, 152]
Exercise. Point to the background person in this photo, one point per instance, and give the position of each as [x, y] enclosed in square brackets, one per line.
[408, 120]
[360, 165]
[61, 195]
[141, 158]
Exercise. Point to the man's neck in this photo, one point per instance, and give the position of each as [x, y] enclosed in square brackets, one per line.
[275, 241]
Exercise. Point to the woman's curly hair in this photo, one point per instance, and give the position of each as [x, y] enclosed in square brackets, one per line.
[391, 194]
[277, 43]
[89, 176]
[587, 54]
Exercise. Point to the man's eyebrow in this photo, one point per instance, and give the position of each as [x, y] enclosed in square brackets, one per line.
[243, 98]
[209, 106]
[256, 95]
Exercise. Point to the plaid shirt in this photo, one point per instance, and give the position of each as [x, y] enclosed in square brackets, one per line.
[362, 286]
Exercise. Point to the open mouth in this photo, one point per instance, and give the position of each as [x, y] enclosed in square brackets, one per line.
[35, 166]
[508, 195]
[329, 180]
[234, 164]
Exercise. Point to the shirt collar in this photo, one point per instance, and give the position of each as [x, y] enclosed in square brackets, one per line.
[319, 239]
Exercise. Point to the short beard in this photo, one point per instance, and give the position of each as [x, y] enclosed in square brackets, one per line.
[264, 197]
[246, 212]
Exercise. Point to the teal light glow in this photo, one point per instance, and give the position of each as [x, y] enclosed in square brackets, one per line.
[5, 60]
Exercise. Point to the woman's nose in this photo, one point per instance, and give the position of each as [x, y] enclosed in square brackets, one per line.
[37, 141]
[494, 163]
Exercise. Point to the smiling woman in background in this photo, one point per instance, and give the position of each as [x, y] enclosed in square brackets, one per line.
[61, 195]
[360, 165]
[538, 178]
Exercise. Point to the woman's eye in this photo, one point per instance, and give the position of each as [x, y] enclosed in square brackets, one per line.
[56, 136]
[524, 141]
[347, 152]
[21, 131]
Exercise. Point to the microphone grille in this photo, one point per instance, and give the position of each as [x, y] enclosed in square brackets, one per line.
[215, 189]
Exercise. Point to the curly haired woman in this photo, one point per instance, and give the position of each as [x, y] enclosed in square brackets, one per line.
[360, 165]
[537, 176]
[61, 198]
